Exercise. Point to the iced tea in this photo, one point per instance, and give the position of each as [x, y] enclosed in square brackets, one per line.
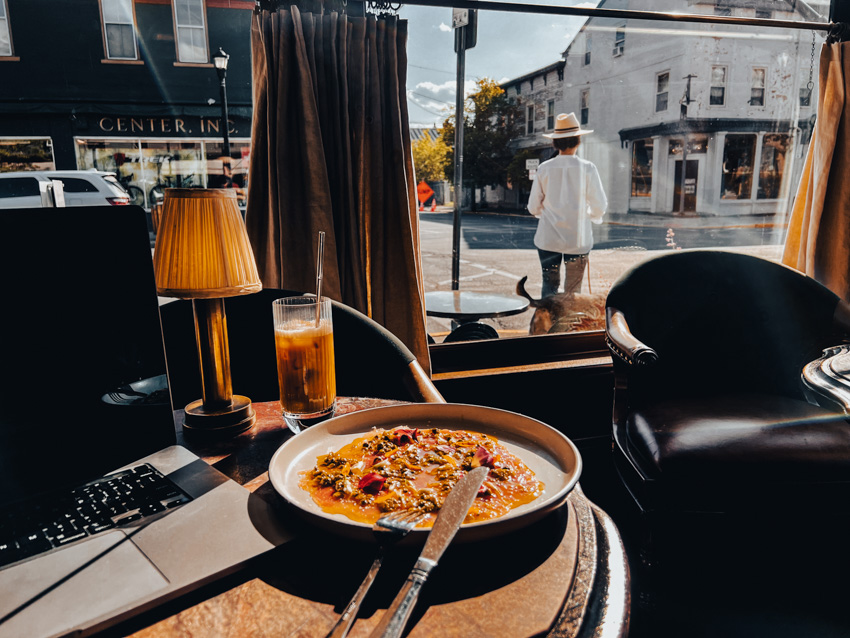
[305, 367]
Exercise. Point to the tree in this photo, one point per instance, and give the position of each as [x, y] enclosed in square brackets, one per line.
[491, 122]
[431, 158]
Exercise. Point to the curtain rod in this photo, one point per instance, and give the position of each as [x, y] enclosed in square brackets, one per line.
[491, 5]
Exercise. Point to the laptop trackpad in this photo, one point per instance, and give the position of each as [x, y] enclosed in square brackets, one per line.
[63, 590]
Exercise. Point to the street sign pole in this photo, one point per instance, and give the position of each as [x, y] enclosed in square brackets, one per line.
[461, 50]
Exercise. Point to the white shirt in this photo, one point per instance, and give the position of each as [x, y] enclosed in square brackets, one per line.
[567, 196]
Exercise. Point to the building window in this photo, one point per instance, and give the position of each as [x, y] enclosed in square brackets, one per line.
[772, 165]
[560, 75]
[119, 29]
[662, 91]
[519, 88]
[805, 96]
[619, 40]
[757, 87]
[191, 28]
[5, 31]
[738, 155]
[529, 120]
[763, 14]
[642, 168]
[585, 106]
[586, 49]
[531, 84]
[550, 115]
[717, 96]
[722, 11]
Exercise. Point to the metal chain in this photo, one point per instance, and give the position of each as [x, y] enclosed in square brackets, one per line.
[811, 85]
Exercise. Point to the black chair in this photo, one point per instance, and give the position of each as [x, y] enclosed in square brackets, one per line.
[710, 413]
[370, 361]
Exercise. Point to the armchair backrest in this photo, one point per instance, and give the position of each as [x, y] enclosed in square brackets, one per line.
[724, 321]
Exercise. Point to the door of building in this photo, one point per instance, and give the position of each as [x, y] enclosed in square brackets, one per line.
[690, 187]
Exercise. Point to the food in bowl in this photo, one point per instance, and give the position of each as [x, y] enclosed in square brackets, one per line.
[415, 469]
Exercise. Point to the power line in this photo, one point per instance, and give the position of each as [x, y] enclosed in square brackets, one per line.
[428, 97]
[427, 68]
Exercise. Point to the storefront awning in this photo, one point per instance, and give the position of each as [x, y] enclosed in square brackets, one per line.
[712, 125]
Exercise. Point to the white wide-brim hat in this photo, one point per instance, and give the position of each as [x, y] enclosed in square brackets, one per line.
[566, 125]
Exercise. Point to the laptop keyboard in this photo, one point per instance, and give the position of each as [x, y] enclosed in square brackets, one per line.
[106, 503]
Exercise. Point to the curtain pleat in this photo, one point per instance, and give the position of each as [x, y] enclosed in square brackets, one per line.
[818, 239]
[331, 152]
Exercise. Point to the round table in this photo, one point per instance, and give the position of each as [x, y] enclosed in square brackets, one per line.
[466, 308]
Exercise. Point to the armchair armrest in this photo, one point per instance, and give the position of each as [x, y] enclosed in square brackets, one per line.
[623, 343]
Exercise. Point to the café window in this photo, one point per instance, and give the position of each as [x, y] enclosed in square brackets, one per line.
[190, 24]
[717, 95]
[642, 168]
[5, 31]
[550, 115]
[772, 165]
[662, 91]
[619, 41]
[738, 158]
[584, 106]
[757, 87]
[586, 49]
[26, 155]
[529, 120]
[805, 96]
[119, 29]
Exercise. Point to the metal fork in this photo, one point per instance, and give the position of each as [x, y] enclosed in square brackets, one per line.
[388, 530]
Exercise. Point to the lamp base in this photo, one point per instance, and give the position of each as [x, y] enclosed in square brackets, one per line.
[227, 421]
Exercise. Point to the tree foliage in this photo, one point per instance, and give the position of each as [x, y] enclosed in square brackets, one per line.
[431, 158]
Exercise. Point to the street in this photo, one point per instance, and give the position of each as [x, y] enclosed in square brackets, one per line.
[497, 250]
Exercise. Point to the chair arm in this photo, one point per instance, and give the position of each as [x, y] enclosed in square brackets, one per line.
[420, 385]
[623, 343]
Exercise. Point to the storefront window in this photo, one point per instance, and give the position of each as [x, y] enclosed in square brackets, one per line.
[738, 154]
[642, 168]
[772, 165]
[26, 155]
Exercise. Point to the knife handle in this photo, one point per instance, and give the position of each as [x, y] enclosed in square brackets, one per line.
[394, 620]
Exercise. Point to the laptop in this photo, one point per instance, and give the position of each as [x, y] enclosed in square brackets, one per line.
[83, 393]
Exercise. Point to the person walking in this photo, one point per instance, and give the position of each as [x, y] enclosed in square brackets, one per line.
[567, 196]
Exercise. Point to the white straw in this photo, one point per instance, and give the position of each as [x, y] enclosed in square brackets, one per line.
[319, 276]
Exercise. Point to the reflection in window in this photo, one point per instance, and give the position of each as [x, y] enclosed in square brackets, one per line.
[642, 168]
[586, 49]
[717, 96]
[585, 105]
[26, 155]
[529, 120]
[191, 31]
[550, 115]
[805, 96]
[738, 155]
[619, 41]
[662, 85]
[757, 90]
[5, 31]
[119, 29]
[772, 165]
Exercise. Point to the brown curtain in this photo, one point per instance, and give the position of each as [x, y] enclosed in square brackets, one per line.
[818, 241]
[331, 152]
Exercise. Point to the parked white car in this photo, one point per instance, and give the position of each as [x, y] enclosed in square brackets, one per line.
[81, 188]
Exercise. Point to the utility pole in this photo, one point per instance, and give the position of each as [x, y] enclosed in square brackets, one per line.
[683, 115]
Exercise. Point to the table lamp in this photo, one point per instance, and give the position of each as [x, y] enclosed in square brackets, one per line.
[203, 254]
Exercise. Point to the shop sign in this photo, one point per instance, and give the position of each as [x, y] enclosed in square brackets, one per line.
[158, 126]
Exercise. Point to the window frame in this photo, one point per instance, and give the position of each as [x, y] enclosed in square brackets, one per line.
[177, 28]
[103, 24]
[550, 115]
[723, 86]
[529, 119]
[754, 88]
[665, 93]
[619, 41]
[4, 6]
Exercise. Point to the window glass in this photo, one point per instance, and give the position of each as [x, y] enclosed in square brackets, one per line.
[717, 96]
[587, 49]
[529, 120]
[805, 96]
[757, 90]
[119, 29]
[642, 168]
[191, 31]
[619, 41]
[18, 187]
[585, 106]
[77, 185]
[26, 155]
[5, 32]
[550, 115]
[661, 91]
[738, 157]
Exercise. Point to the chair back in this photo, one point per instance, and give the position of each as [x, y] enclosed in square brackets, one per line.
[723, 321]
[370, 361]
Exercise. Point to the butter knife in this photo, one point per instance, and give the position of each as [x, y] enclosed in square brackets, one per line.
[448, 521]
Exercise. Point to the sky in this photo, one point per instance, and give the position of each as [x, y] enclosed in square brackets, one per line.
[508, 45]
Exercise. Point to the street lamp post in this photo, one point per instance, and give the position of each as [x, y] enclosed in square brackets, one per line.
[221, 68]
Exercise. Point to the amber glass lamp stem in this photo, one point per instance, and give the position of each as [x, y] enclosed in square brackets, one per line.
[213, 351]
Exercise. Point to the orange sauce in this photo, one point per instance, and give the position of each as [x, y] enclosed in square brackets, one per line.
[406, 468]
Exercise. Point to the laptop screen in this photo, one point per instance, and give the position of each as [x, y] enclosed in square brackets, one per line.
[82, 367]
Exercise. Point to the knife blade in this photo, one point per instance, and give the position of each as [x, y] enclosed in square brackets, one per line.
[448, 521]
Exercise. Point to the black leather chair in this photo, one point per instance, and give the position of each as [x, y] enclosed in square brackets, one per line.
[370, 361]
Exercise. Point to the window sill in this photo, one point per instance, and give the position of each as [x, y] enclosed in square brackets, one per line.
[131, 62]
[197, 65]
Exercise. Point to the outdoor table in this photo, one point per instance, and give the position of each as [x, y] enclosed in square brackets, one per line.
[464, 307]
[561, 575]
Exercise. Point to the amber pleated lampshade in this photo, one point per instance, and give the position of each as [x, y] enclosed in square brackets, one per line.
[202, 248]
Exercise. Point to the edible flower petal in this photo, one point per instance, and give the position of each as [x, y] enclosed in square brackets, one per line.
[371, 483]
[482, 457]
[400, 436]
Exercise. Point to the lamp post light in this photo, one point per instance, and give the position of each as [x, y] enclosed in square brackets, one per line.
[221, 68]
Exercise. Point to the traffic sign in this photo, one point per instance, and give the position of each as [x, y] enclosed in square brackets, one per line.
[532, 174]
[531, 164]
[423, 192]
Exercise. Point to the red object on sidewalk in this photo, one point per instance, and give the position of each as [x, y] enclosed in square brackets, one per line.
[434, 205]
[421, 206]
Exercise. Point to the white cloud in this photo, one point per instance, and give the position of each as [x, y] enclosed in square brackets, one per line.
[445, 28]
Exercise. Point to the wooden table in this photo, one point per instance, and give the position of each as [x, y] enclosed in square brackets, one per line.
[553, 577]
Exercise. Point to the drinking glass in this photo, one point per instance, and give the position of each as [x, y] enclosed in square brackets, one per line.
[303, 334]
